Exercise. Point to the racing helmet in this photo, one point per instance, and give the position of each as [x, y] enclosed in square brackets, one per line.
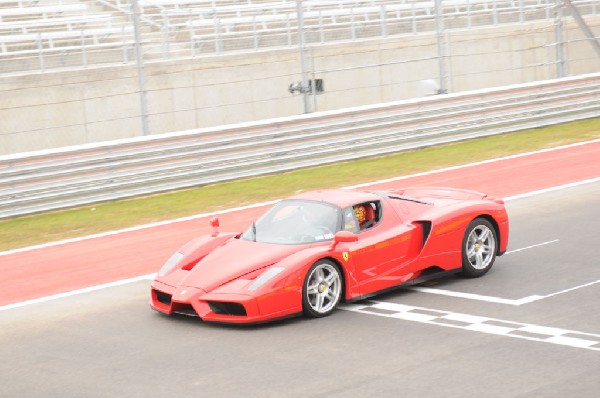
[361, 213]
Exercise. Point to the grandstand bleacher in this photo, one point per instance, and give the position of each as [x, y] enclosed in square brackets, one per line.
[41, 34]
[59, 33]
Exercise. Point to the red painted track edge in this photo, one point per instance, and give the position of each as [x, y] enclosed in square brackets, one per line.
[110, 257]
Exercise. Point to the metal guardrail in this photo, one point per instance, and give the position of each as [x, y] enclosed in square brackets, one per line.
[64, 177]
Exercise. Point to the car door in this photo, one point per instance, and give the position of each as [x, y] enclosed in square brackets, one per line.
[381, 255]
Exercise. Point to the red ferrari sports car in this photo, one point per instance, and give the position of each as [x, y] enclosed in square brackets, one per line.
[309, 252]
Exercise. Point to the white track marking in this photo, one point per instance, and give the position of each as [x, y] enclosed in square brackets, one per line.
[468, 296]
[137, 228]
[572, 288]
[520, 155]
[145, 226]
[79, 291]
[552, 189]
[489, 299]
[481, 324]
[498, 300]
[532, 246]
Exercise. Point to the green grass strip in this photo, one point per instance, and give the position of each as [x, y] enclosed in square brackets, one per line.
[41, 228]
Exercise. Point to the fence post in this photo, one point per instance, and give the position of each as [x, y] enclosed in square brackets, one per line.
[140, 65]
[165, 36]
[218, 36]
[382, 17]
[439, 28]
[558, 34]
[254, 33]
[83, 49]
[40, 49]
[305, 91]
[521, 11]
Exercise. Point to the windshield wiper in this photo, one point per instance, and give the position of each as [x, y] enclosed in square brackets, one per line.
[254, 229]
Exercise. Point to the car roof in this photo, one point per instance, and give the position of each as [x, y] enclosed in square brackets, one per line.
[339, 197]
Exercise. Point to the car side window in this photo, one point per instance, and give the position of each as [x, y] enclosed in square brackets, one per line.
[350, 222]
[362, 216]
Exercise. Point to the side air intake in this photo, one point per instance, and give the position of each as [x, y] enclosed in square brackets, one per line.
[163, 297]
[226, 308]
[426, 229]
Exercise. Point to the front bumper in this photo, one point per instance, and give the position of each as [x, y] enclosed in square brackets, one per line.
[217, 307]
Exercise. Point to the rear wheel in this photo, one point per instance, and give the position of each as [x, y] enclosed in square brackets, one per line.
[322, 289]
[478, 248]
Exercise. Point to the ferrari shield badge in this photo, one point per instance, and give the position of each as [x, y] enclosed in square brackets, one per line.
[346, 256]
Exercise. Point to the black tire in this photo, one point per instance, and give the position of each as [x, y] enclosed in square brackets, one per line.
[322, 289]
[479, 248]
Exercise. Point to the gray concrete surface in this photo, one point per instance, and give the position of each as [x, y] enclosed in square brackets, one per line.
[109, 343]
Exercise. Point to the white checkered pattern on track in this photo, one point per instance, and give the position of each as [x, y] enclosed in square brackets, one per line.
[481, 324]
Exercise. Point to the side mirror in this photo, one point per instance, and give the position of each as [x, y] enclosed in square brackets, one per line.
[343, 236]
[214, 223]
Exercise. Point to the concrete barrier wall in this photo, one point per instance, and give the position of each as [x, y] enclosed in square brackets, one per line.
[59, 108]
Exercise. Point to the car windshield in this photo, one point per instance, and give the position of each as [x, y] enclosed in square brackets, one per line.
[296, 222]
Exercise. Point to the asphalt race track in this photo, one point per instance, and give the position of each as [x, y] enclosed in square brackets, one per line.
[529, 328]
[109, 343]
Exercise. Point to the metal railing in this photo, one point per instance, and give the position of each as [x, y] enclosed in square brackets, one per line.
[71, 176]
[255, 27]
[182, 29]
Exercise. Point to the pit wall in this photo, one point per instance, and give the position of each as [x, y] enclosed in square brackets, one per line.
[60, 108]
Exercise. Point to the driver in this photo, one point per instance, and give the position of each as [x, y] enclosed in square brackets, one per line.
[360, 215]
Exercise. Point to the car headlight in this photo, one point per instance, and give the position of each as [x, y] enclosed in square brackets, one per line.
[175, 258]
[265, 277]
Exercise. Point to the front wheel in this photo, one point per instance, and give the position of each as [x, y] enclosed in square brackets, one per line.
[478, 248]
[322, 289]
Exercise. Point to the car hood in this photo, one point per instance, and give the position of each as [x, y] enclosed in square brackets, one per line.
[235, 258]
